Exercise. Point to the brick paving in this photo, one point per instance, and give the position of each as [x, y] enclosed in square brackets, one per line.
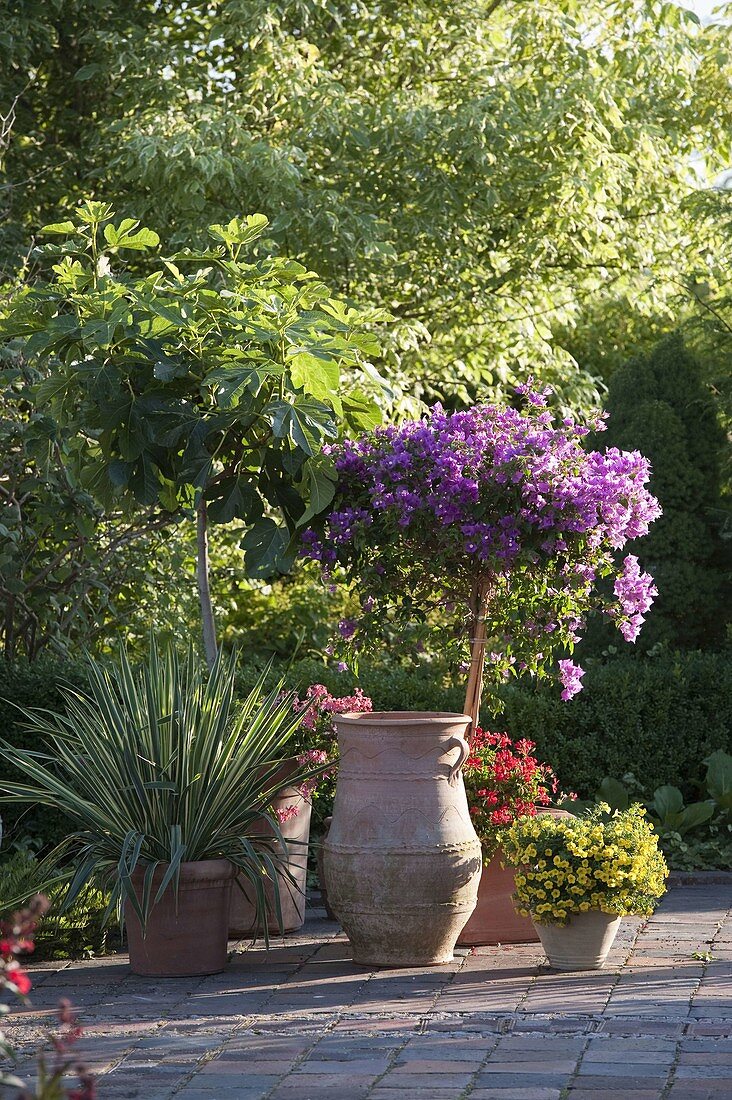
[303, 1023]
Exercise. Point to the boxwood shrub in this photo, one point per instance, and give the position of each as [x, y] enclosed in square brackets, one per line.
[32, 685]
[656, 717]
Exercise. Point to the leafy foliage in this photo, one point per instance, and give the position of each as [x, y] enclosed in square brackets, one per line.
[659, 405]
[481, 169]
[158, 767]
[696, 836]
[65, 575]
[23, 685]
[657, 718]
[223, 383]
[77, 933]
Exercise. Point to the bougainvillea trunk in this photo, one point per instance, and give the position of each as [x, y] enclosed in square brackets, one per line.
[474, 691]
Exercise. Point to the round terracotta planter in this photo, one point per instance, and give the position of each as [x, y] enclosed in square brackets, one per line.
[296, 833]
[495, 919]
[188, 936]
[402, 860]
[583, 943]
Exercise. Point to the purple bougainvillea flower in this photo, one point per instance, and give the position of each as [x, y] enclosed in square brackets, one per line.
[514, 498]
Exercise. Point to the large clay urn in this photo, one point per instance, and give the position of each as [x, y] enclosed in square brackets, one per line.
[402, 861]
[187, 935]
[295, 829]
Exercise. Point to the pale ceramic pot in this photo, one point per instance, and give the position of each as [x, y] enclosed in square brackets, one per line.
[495, 919]
[402, 861]
[296, 833]
[583, 943]
[185, 936]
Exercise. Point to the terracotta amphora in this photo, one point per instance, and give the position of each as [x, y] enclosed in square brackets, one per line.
[294, 812]
[188, 935]
[402, 861]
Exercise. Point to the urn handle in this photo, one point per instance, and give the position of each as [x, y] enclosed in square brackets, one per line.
[461, 744]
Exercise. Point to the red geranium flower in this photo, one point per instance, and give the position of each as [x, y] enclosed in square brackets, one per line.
[503, 781]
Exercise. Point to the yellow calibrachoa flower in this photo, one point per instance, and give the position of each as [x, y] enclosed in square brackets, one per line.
[611, 863]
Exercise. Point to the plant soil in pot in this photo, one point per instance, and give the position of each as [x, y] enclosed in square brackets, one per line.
[583, 943]
[187, 935]
[293, 812]
[402, 859]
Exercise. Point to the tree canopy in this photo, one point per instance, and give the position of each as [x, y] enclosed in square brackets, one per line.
[488, 171]
[525, 188]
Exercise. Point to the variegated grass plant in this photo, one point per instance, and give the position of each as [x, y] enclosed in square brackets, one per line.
[159, 765]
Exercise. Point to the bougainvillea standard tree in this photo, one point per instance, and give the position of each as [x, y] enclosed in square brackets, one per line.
[498, 516]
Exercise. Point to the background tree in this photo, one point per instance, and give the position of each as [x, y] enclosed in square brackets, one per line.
[484, 170]
[61, 555]
[659, 406]
[212, 391]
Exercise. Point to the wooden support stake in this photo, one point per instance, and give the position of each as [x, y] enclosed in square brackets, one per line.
[481, 594]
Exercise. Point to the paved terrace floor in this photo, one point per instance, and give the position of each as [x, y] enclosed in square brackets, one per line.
[303, 1022]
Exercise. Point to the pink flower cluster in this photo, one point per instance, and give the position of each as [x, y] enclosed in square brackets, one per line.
[319, 706]
[635, 592]
[570, 674]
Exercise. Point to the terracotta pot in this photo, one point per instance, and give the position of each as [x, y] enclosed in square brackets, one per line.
[187, 937]
[495, 919]
[321, 872]
[296, 832]
[402, 860]
[583, 943]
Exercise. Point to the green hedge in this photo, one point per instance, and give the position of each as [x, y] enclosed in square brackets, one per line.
[32, 685]
[656, 717]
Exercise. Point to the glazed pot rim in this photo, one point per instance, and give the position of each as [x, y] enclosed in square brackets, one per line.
[403, 717]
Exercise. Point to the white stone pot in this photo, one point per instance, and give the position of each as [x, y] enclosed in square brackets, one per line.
[582, 944]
